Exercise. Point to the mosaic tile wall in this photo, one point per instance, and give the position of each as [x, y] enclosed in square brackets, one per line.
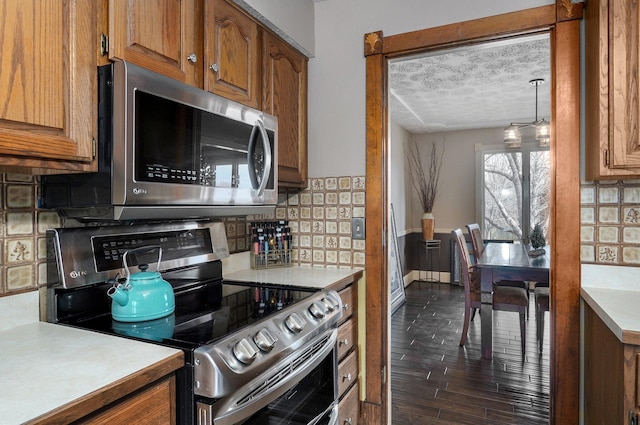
[320, 220]
[610, 222]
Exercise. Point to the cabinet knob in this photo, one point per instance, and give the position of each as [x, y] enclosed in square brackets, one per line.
[346, 377]
[348, 421]
[345, 307]
[344, 342]
[192, 58]
[214, 67]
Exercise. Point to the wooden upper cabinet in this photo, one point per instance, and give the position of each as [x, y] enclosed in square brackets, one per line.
[232, 53]
[612, 89]
[164, 36]
[47, 85]
[285, 96]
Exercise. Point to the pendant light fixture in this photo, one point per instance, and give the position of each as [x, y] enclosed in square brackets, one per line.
[512, 133]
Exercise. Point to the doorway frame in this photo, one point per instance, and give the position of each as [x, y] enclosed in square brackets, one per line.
[561, 21]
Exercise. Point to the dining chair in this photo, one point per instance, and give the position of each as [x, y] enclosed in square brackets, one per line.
[541, 296]
[505, 298]
[478, 248]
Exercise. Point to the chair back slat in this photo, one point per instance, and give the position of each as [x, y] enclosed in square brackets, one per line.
[476, 239]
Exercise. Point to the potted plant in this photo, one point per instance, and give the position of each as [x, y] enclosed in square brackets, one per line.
[537, 241]
[425, 180]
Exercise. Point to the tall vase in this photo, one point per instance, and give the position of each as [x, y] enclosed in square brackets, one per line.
[428, 225]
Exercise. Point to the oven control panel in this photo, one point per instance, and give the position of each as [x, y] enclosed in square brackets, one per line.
[257, 349]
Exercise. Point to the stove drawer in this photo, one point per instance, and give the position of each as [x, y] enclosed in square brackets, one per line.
[348, 302]
[347, 372]
[349, 408]
[346, 338]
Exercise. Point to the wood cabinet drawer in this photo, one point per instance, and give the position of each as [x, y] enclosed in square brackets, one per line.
[347, 372]
[349, 408]
[346, 338]
[348, 299]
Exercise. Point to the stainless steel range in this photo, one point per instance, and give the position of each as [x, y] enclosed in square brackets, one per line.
[254, 354]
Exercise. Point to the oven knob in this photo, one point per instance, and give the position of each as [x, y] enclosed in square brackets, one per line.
[328, 304]
[244, 351]
[317, 310]
[331, 299]
[264, 340]
[295, 323]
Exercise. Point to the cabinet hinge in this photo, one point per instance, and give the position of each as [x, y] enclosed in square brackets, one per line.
[94, 147]
[606, 158]
[104, 44]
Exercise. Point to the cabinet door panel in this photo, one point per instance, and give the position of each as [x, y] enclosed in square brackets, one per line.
[47, 83]
[625, 89]
[159, 35]
[232, 53]
[285, 96]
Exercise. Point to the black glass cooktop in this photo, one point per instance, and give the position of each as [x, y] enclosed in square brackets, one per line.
[203, 314]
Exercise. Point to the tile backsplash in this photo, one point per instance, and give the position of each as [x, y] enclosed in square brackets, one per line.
[610, 222]
[319, 217]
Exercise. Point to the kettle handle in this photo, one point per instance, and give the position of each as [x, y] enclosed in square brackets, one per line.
[147, 248]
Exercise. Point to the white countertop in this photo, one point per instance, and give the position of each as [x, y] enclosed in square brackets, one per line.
[45, 366]
[613, 292]
[307, 277]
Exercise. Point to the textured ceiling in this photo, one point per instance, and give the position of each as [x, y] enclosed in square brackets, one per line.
[480, 86]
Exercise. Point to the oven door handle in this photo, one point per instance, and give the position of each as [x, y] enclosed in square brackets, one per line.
[228, 411]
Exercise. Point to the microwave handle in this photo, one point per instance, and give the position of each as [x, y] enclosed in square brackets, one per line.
[259, 127]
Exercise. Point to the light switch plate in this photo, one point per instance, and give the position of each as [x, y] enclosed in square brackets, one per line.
[357, 228]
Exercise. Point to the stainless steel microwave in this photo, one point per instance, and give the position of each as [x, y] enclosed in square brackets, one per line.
[167, 150]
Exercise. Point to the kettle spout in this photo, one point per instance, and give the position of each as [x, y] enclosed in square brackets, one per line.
[119, 295]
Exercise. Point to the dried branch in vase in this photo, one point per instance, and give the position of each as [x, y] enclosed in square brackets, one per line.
[425, 179]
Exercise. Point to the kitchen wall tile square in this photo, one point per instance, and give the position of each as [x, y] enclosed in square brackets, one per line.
[305, 213]
[587, 253]
[304, 241]
[631, 255]
[20, 196]
[318, 241]
[331, 213]
[345, 242]
[20, 277]
[19, 251]
[317, 184]
[20, 223]
[345, 257]
[359, 183]
[608, 195]
[358, 212]
[332, 226]
[631, 215]
[42, 274]
[587, 195]
[607, 254]
[318, 198]
[344, 198]
[631, 195]
[41, 249]
[344, 213]
[292, 214]
[318, 226]
[318, 256]
[331, 183]
[359, 244]
[587, 234]
[305, 227]
[331, 242]
[318, 213]
[344, 227]
[305, 255]
[231, 244]
[344, 183]
[608, 234]
[332, 198]
[293, 199]
[331, 257]
[358, 259]
[47, 220]
[305, 198]
[587, 215]
[631, 235]
[282, 198]
[608, 215]
[294, 227]
[358, 198]
[281, 213]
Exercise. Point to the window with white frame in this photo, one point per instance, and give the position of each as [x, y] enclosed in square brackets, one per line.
[514, 188]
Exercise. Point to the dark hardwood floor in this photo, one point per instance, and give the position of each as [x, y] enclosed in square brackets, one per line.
[435, 381]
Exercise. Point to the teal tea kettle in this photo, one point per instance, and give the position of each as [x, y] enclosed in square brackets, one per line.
[143, 295]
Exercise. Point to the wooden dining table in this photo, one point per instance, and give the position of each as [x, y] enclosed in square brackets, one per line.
[505, 261]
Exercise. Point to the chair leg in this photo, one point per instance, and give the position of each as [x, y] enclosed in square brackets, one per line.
[523, 330]
[465, 326]
[473, 314]
[541, 329]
